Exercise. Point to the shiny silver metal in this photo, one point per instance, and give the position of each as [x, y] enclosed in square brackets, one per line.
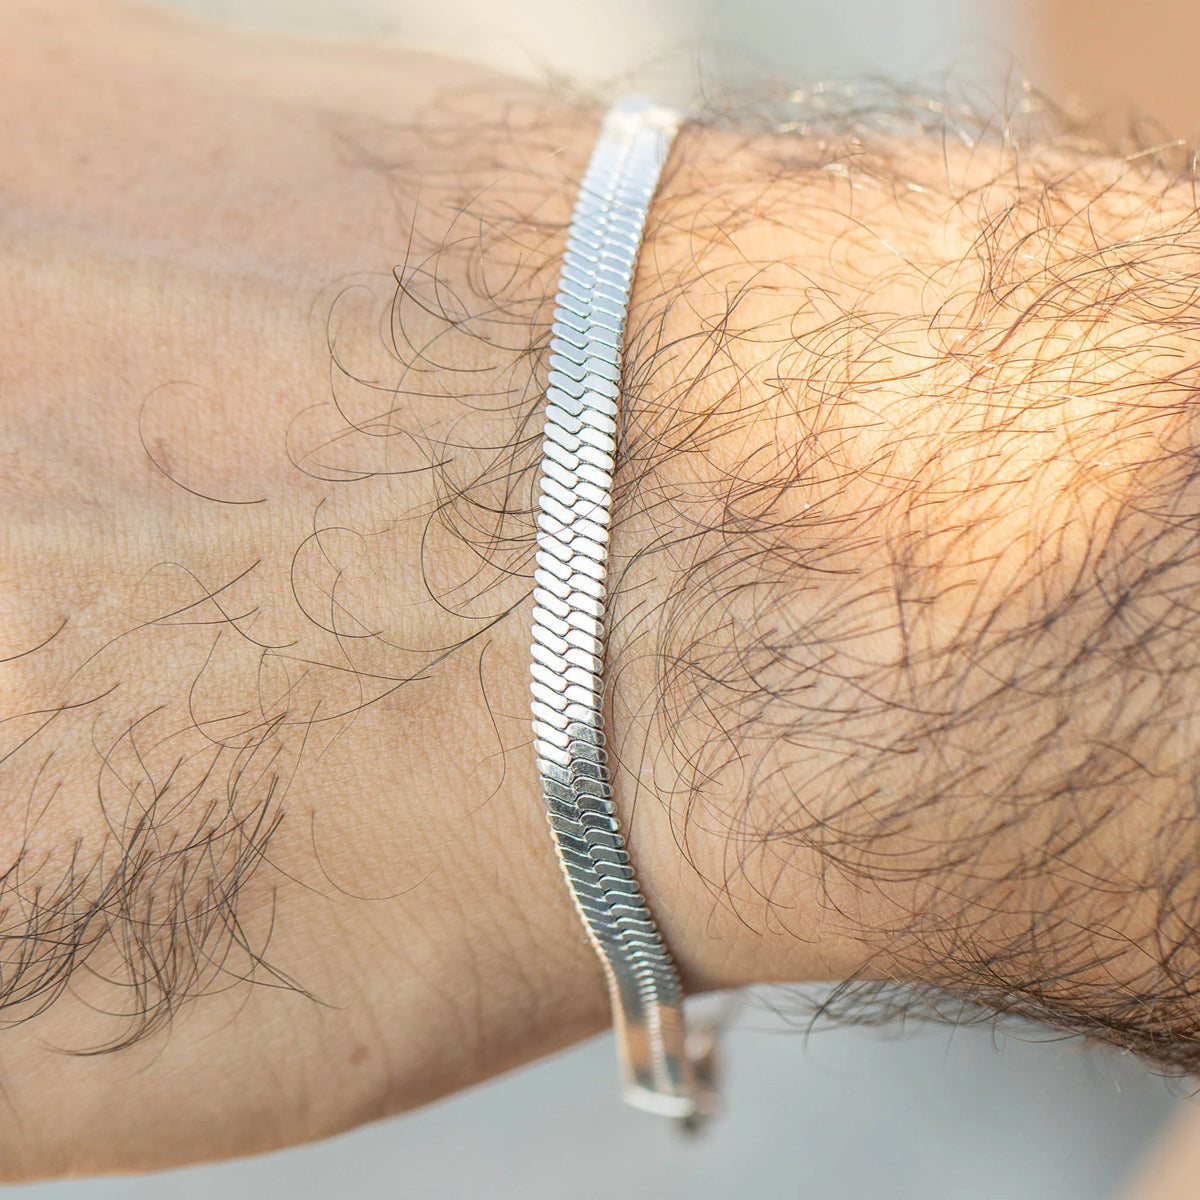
[575, 487]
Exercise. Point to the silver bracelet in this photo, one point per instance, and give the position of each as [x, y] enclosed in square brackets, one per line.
[575, 490]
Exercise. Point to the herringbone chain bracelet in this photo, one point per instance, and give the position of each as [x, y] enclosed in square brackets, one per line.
[575, 489]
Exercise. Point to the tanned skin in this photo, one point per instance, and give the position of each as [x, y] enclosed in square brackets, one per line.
[902, 653]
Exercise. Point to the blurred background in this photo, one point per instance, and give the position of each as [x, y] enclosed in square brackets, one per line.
[964, 1114]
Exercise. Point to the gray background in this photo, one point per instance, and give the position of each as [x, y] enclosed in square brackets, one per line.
[936, 1116]
[940, 1114]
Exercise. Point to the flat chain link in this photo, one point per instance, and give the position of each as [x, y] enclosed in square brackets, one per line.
[574, 501]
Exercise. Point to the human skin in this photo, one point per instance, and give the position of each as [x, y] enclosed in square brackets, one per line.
[1129, 68]
[1170, 1171]
[266, 559]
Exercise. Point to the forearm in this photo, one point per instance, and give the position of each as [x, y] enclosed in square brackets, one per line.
[900, 636]
[927, 656]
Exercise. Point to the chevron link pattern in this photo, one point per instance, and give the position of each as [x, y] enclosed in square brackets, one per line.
[575, 487]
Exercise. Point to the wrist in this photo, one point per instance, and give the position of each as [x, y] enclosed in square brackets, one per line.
[712, 318]
[885, 414]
